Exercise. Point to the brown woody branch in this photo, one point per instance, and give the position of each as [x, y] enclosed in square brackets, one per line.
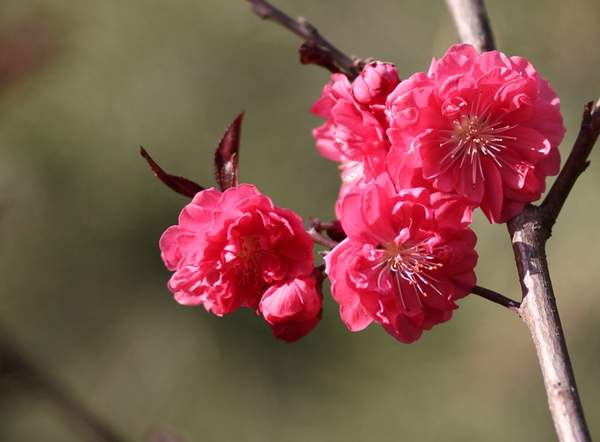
[529, 232]
[576, 163]
[472, 23]
[320, 239]
[316, 49]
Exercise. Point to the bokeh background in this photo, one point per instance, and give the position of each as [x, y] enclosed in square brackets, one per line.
[82, 286]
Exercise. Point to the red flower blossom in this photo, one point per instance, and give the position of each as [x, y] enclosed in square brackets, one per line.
[408, 257]
[355, 124]
[230, 247]
[354, 130]
[484, 125]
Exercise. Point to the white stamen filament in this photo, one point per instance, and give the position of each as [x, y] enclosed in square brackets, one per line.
[471, 137]
[412, 263]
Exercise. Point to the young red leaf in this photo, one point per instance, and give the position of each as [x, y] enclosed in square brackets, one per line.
[227, 153]
[177, 183]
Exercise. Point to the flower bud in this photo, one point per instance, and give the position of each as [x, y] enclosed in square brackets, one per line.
[375, 83]
[293, 308]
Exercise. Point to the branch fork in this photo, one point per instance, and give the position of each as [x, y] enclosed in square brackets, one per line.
[316, 49]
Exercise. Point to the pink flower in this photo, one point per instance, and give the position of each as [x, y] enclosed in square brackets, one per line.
[292, 308]
[230, 247]
[355, 123]
[354, 130]
[484, 125]
[408, 257]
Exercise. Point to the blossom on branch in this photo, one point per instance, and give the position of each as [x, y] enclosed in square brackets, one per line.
[485, 125]
[354, 132]
[408, 257]
[229, 248]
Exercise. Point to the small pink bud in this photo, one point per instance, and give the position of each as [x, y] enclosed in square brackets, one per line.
[375, 83]
[293, 308]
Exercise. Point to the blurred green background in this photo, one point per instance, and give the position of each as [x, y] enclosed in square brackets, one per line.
[82, 286]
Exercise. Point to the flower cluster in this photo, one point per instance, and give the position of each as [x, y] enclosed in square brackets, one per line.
[417, 156]
[236, 249]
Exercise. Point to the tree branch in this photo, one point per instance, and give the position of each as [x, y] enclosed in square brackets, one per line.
[496, 297]
[529, 232]
[320, 239]
[576, 163]
[316, 49]
[15, 365]
[473, 24]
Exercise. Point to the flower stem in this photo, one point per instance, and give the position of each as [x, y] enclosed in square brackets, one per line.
[320, 239]
[496, 297]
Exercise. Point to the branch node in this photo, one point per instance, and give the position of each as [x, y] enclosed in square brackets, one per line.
[320, 51]
[577, 162]
[320, 239]
[497, 298]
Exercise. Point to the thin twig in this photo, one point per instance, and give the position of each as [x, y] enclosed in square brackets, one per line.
[320, 239]
[529, 232]
[496, 297]
[473, 24]
[16, 366]
[333, 228]
[576, 163]
[316, 48]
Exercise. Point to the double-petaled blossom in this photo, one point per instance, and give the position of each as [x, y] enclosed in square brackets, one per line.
[484, 125]
[408, 257]
[354, 132]
[231, 249]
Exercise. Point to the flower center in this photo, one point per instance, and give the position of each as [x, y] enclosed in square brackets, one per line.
[247, 254]
[471, 137]
[411, 263]
[250, 244]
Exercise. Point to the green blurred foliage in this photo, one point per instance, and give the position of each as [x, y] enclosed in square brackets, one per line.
[83, 287]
